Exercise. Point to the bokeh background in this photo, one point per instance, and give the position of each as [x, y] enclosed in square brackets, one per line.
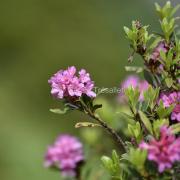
[38, 37]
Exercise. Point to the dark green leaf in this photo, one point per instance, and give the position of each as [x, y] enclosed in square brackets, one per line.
[96, 106]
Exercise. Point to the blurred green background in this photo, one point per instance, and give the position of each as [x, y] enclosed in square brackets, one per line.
[38, 37]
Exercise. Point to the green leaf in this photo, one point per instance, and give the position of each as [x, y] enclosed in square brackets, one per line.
[113, 165]
[175, 128]
[167, 27]
[126, 29]
[130, 34]
[150, 78]
[116, 162]
[169, 82]
[157, 124]
[175, 10]
[96, 106]
[144, 105]
[126, 115]
[134, 69]
[150, 96]
[162, 111]
[146, 122]
[86, 124]
[71, 106]
[129, 145]
[135, 131]
[163, 55]
[107, 162]
[167, 11]
[136, 157]
[155, 43]
[59, 111]
[132, 95]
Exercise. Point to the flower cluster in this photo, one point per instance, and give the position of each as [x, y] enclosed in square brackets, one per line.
[65, 83]
[164, 151]
[65, 154]
[135, 82]
[172, 98]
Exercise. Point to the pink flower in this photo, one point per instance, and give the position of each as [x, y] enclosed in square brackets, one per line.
[169, 99]
[135, 82]
[85, 79]
[154, 63]
[65, 154]
[164, 151]
[65, 83]
[160, 47]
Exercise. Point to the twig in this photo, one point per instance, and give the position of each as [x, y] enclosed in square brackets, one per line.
[109, 129]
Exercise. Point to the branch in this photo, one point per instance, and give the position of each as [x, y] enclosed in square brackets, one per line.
[109, 129]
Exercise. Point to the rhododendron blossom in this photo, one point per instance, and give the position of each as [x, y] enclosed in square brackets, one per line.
[154, 63]
[65, 83]
[160, 47]
[135, 82]
[65, 154]
[172, 98]
[164, 151]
